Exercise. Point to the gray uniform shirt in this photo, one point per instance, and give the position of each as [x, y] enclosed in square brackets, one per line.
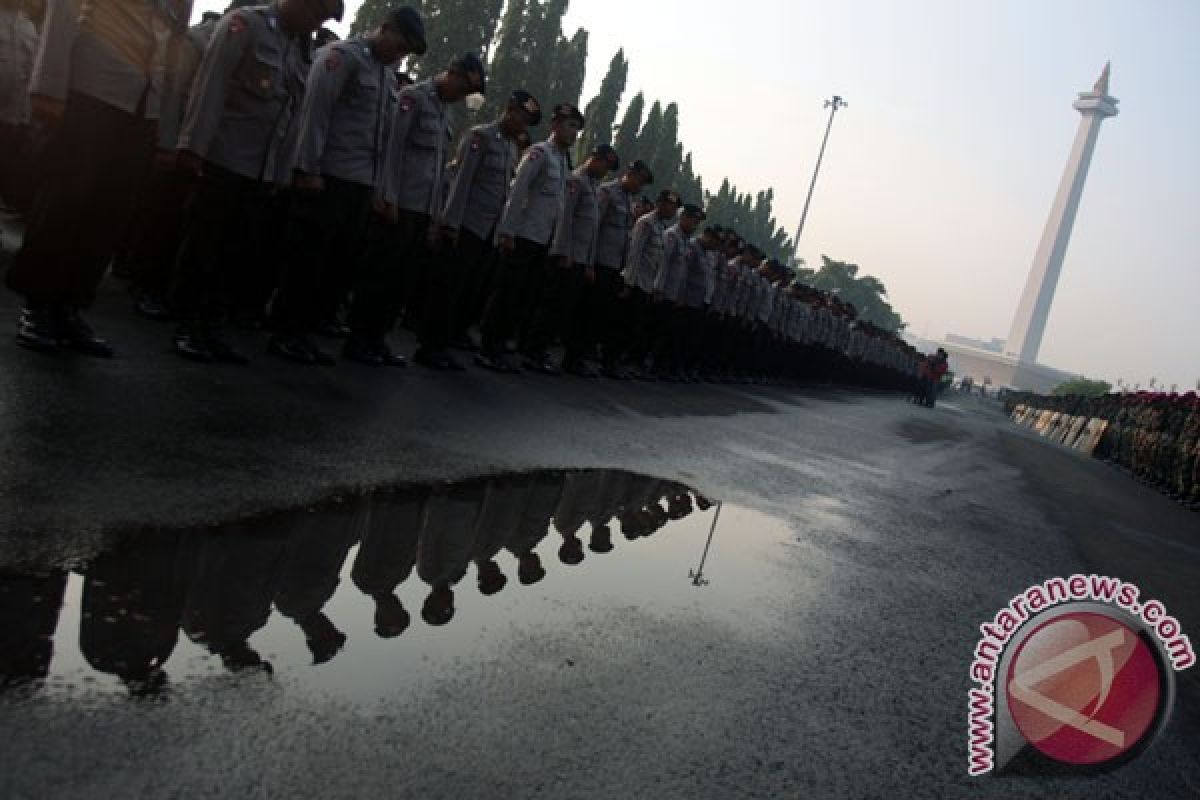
[416, 154]
[112, 50]
[486, 162]
[671, 273]
[182, 64]
[575, 236]
[645, 256]
[246, 94]
[698, 277]
[18, 44]
[346, 114]
[535, 200]
[448, 534]
[614, 206]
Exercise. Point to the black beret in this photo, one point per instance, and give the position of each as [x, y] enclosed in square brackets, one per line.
[527, 103]
[469, 64]
[406, 20]
[644, 169]
[693, 210]
[606, 152]
[567, 111]
[669, 196]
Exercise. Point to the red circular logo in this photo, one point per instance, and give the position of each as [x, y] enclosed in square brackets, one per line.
[1084, 688]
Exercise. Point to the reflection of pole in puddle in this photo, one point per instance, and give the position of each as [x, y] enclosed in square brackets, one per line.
[697, 575]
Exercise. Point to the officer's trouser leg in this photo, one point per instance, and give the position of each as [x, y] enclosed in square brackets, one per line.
[214, 240]
[391, 253]
[608, 320]
[547, 317]
[478, 260]
[315, 222]
[343, 259]
[507, 303]
[92, 165]
[159, 233]
[575, 325]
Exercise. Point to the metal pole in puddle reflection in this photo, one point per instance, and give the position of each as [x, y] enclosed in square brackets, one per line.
[697, 575]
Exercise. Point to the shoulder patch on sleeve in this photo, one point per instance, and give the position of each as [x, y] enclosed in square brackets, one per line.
[534, 154]
[572, 187]
[238, 23]
[407, 103]
[334, 60]
[476, 140]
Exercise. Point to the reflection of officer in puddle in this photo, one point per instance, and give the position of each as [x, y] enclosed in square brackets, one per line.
[571, 513]
[132, 601]
[29, 609]
[387, 556]
[446, 545]
[317, 549]
[235, 574]
[534, 526]
[503, 506]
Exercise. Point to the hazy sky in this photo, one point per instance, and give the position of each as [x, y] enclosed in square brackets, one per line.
[940, 173]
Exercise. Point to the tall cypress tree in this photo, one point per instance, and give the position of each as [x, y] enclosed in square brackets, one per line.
[506, 70]
[649, 138]
[601, 111]
[454, 27]
[370, 14]
[627, 133]
[570, 68]
[668, 152]
[689, 183]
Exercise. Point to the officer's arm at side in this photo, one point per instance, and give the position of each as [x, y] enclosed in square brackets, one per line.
[232, 37]
[470, 152]
[563, 236]
[407, 111]
[52, 66]
[530, 168]
[326, 79]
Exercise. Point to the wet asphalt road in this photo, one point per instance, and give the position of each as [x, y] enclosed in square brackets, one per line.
[831, 662]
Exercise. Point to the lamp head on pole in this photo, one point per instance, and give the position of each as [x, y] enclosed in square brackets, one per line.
[836, 103]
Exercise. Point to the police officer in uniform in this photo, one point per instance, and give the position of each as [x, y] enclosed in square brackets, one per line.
[404, 229]
[486, 163]
[572, 258]
[602, 298]
[669, 286]
[642, 265]
[342, 143]
[236, 135]
[97, 81]
[697, 288]
[157, 228]
[524, 232]
[487, 160]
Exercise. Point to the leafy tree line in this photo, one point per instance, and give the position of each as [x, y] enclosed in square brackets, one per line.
[866, 292]
[524, 45]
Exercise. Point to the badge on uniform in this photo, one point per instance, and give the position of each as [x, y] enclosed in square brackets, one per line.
[333, 60]
[407, 104]
[237, 24]
[534, 154]
[476, 141]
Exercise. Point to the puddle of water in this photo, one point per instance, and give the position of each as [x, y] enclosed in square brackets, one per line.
[367, 596]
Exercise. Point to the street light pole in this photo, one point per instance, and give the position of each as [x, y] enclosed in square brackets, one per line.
[834, 104]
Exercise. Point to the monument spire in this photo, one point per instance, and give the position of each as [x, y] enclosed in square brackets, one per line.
[1029, 326]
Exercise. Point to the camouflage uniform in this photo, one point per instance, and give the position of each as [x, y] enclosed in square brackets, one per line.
[1185, 451]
